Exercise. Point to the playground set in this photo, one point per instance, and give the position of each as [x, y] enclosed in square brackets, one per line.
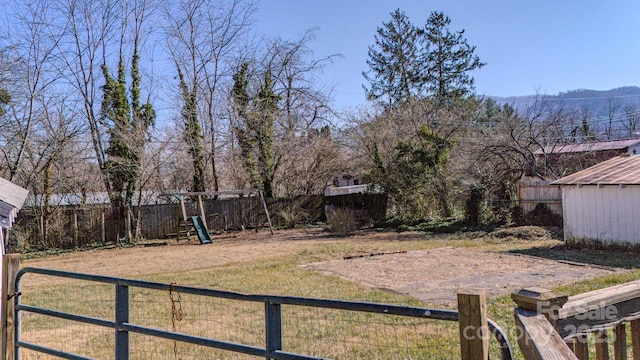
[199, 221]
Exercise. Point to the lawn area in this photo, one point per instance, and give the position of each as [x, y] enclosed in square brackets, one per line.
[312, 263]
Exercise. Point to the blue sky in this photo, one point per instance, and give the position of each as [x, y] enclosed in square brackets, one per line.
[543, 46]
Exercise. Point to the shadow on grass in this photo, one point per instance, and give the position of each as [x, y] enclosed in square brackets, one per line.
[607, 258]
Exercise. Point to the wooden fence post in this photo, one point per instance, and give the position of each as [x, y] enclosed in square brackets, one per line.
[635, 339]
[542, 301]
[103, 229]
[602, 345]
[266, 210]
[536, 320]
[620, 342]
[582, 347]
[10, 268]
[472, 321]
[76, 230]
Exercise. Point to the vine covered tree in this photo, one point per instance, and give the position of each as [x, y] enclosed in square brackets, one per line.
[128, 119]
[193, 132]
[408, 158]
[276, 104]
[120, 157]
[255, 128]
[204, 38]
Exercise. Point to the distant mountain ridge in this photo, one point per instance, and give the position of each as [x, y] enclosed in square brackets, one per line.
[597, 101]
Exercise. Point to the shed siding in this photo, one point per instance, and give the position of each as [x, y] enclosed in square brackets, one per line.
[608, 214]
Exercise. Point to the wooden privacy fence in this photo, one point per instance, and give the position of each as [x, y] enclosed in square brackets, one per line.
[163, 220]
[67, 227]
[81, 226]
[534, 192]
[555, 326]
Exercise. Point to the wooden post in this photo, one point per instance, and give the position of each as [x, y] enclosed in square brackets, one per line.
[10, 268]
[256, 213]
[602, 345]
[240, 208]
[75, 227]
[202, 213]
[542, 301]
[620, 342]
[472, 320]
[61, 231]
[103, 229]
[42, 237]
[582, 347]
[184, 216]
[266, 211]
[635, 339]
[536, 318]
[127, 222]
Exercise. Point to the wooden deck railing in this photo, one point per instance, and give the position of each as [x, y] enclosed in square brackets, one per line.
[555, 326]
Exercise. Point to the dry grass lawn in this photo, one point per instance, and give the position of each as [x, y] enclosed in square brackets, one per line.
[405, 268]
[427, 267]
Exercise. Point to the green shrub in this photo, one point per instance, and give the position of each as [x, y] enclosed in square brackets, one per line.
[293, 214]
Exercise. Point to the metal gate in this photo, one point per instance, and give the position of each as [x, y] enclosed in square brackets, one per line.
[111, 302]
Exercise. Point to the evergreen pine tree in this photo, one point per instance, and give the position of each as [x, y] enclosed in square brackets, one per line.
[394, 73]
[447, 60]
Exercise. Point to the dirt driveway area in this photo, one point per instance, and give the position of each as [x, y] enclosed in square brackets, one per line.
[432, 275]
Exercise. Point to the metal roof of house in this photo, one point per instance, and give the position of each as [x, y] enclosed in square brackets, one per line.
[590, 146]
[621, 170]
[102, 198]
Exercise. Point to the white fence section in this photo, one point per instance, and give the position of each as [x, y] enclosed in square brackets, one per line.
[345, 190]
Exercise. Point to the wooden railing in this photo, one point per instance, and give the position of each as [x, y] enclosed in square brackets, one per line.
[555, 326]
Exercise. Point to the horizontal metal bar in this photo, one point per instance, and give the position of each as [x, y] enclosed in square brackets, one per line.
[141, 284]
[67, 316]
[436, 314]
[222, 345]
[283, 355]
[54, 352]
[67, 274]
[197, 340]
[427, 313]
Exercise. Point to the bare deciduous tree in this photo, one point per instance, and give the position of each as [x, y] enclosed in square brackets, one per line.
[203, 37]
[612, 107]
[631, 121]
[33, 75]
[300, 106]
[89, 29]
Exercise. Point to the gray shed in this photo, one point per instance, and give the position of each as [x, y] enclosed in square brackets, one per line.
[12, 197]
[602, 203]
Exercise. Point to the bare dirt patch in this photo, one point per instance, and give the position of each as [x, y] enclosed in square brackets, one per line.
[436, 275]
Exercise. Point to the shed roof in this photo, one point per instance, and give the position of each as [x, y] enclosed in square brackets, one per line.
[620, 170]
[12, 197]
[590, 146]
[12, 194]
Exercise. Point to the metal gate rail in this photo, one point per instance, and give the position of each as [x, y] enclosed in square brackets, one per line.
[273, 317]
